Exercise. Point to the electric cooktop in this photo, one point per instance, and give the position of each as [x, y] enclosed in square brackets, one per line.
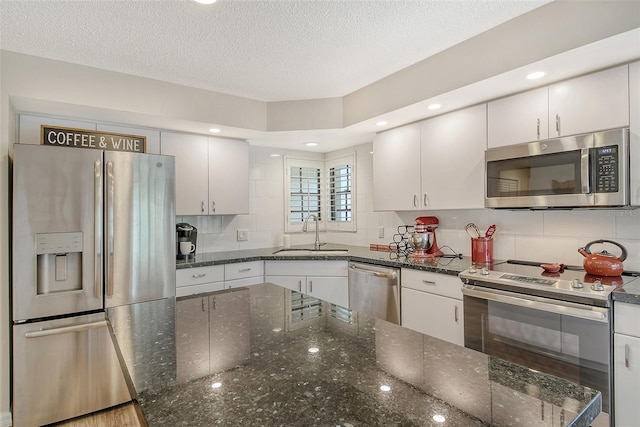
[571, 283]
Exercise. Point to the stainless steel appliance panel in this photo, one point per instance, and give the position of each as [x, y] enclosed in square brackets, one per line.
[375, 291]
[139, 228]
[64, 368]
[57, 231]
[591, 170]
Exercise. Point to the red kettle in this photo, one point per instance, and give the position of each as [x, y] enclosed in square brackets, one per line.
[603, 263]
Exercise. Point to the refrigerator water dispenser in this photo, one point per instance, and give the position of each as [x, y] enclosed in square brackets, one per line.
[59, 262]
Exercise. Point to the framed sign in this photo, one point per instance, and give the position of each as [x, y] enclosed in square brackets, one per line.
[84, 138]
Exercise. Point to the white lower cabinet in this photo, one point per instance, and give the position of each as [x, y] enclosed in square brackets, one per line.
[325, 280]
[431, 304]
[626, 363]
[190, 281]
[243, 274]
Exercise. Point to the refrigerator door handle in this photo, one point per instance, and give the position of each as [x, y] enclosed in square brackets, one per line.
[109, 227]
[66, 329]
[98, 219]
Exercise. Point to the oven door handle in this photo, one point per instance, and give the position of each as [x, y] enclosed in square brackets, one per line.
[597, 314]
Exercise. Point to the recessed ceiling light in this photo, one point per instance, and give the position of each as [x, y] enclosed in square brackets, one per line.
[535, 75]
[381, 123]
[311, 144]
[214, 130]
[205, 1]
[434, 106]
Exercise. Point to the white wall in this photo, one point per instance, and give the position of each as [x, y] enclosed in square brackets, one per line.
[550, 236]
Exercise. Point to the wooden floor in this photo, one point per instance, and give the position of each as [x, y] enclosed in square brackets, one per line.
[119, 416]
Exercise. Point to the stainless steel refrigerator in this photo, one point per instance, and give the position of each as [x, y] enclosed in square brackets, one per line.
[92, 231]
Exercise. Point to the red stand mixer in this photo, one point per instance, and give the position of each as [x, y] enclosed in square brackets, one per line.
[423, 239]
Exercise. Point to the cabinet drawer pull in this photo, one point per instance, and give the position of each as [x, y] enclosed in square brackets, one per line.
[429, 282]
[244, 270]
[196, 276]
[626, 355]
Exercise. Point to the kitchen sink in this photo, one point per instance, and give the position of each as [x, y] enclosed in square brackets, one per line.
[311, 252]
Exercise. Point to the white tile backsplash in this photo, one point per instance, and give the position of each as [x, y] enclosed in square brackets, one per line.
[552, 236]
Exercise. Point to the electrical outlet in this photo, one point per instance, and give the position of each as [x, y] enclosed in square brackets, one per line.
[243, 235]
[381, 232]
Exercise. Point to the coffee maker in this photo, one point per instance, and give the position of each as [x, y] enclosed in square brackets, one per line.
[423, 239]
[186, 233]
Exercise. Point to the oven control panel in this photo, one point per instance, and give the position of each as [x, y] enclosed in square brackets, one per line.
[525, 279]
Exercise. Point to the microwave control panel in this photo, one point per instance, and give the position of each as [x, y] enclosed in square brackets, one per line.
[606, 169]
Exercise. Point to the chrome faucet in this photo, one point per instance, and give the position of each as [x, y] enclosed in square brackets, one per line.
[305, 228]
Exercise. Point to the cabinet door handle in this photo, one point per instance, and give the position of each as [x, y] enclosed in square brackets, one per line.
[202, 302]
[310, 286]
[425, 200]
[213, 207]
[538, 129]
[429, 282]
[202, 207]
[558, 124]
[213, 303]
[626, 355]
[299, 285]
[455, 313]
[415, 200]
[196, 276]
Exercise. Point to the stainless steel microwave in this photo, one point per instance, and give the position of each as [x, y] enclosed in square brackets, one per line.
[599, 169]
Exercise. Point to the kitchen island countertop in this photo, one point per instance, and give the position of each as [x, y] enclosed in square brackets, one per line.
[265, 356]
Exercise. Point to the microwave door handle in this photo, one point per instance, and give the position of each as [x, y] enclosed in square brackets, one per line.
[584, 171]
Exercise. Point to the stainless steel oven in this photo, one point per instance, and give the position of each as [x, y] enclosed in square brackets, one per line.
[557, 323]
[591, 170]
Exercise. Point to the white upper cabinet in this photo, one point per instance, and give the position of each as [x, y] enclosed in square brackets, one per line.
[590, 103]
[228, 176]
[396, 169]
[192, 171]
[212, 174]
[519, 118]
[452, 159]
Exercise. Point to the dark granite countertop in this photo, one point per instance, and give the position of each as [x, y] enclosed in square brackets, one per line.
[266, 356]
[629, 293]
[441, 265]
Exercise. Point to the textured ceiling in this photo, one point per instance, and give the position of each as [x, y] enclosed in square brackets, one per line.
[263, 50]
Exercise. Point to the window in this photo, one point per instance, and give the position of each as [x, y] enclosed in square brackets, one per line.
[323, 188]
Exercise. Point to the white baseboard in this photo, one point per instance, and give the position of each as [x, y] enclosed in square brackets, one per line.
[5, 419]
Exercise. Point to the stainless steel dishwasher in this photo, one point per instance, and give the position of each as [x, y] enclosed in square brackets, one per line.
[375, 291]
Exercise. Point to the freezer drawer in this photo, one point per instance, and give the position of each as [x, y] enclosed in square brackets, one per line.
[64, 368]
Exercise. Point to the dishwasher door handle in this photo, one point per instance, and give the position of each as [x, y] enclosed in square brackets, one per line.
[386, 275]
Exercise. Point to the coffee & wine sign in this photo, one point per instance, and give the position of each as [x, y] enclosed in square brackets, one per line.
[84, 138]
